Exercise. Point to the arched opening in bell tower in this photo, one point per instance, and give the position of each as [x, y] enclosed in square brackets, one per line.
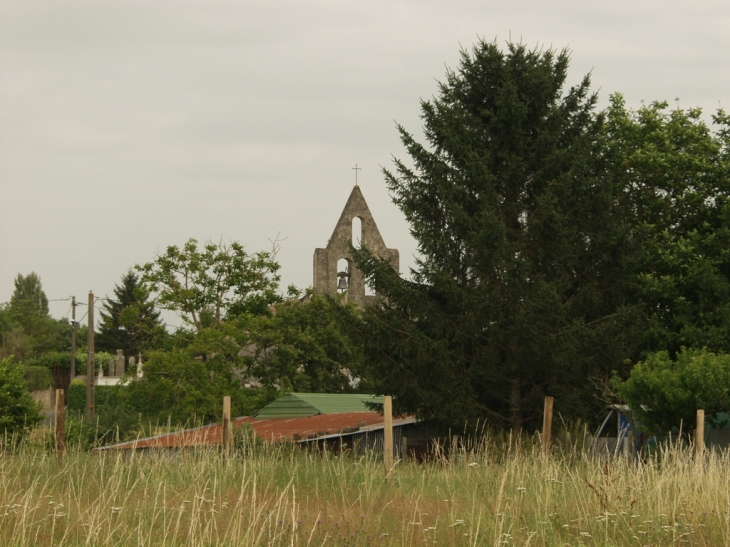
[356, 232]
[343, 275]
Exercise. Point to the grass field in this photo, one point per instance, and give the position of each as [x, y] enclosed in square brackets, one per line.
[277, 495]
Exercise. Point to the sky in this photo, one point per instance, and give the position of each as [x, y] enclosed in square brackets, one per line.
[127, 126]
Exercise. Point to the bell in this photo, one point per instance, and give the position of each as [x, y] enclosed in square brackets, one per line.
[342, 281]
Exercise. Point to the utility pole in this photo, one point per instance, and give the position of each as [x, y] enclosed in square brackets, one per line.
[90, 362]
[73, 337]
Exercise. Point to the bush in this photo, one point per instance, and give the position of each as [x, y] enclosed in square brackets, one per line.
[77, 396]
[665, 393]
[114, 420]
[18, 411]
[180, 388]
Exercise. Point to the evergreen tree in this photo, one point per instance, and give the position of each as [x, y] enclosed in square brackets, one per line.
[522, 288]
[130, 322]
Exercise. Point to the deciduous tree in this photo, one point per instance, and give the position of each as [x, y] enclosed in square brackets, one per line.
[26, 328]
[665, 393]
[306, 346]
[675, 172]
[206, 285]
[28, 296]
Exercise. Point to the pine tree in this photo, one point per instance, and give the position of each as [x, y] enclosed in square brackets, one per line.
[522, 285]
[130, 322]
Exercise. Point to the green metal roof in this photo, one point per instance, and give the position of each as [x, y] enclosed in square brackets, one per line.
[301, 405]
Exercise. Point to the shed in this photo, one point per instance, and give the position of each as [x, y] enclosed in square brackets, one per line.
[302, 405]
[335, 421]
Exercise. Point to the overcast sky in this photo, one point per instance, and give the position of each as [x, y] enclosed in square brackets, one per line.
[127, 126]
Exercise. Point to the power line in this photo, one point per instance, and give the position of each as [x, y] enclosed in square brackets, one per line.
[82, 317]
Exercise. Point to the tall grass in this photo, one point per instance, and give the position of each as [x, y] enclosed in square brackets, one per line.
[278, 495]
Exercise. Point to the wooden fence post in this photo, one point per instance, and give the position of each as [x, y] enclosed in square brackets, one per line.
[388, 434]
[226, 432]
[700, 433]
[547, 425]
[404, 447]
[60, 423]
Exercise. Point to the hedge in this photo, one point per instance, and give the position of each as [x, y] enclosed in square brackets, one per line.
[77, 396]
[37, 377]
[106, 398]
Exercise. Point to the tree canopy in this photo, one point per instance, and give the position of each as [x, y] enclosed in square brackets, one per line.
[181, 387]
[26, 328]
[18, 411]
[665, 393]
[130, 322]
[522, 285]
[675, 175]
[305, 346]
[28, 296]
[205, 286]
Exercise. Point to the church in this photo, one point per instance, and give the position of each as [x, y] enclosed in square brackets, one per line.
[334, 268]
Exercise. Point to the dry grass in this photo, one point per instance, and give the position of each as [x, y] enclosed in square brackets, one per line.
[281, 496]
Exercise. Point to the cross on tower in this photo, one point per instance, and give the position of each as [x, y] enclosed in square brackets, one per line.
[356, 169]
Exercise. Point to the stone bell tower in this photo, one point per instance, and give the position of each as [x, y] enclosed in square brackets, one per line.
[331, 279]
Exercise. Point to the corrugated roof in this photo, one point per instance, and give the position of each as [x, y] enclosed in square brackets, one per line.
[299, 405]
[297, 429]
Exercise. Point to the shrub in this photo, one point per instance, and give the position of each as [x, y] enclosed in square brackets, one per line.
[665, 393]
[77, 396]
[18, 411]
[113, 418]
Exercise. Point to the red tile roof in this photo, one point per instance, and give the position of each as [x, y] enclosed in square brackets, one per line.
[275, 429]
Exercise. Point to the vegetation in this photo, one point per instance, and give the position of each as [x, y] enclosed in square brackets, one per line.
[557, 244]
[306, 347]
[28, 297]
[665, 393]
[520, 289]
[18, 412]
[131, 322]
[674, 174]
[58, 365]
[276, 496]
[183, 389]
[26, 329]
[37, 377]
[205, 286]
